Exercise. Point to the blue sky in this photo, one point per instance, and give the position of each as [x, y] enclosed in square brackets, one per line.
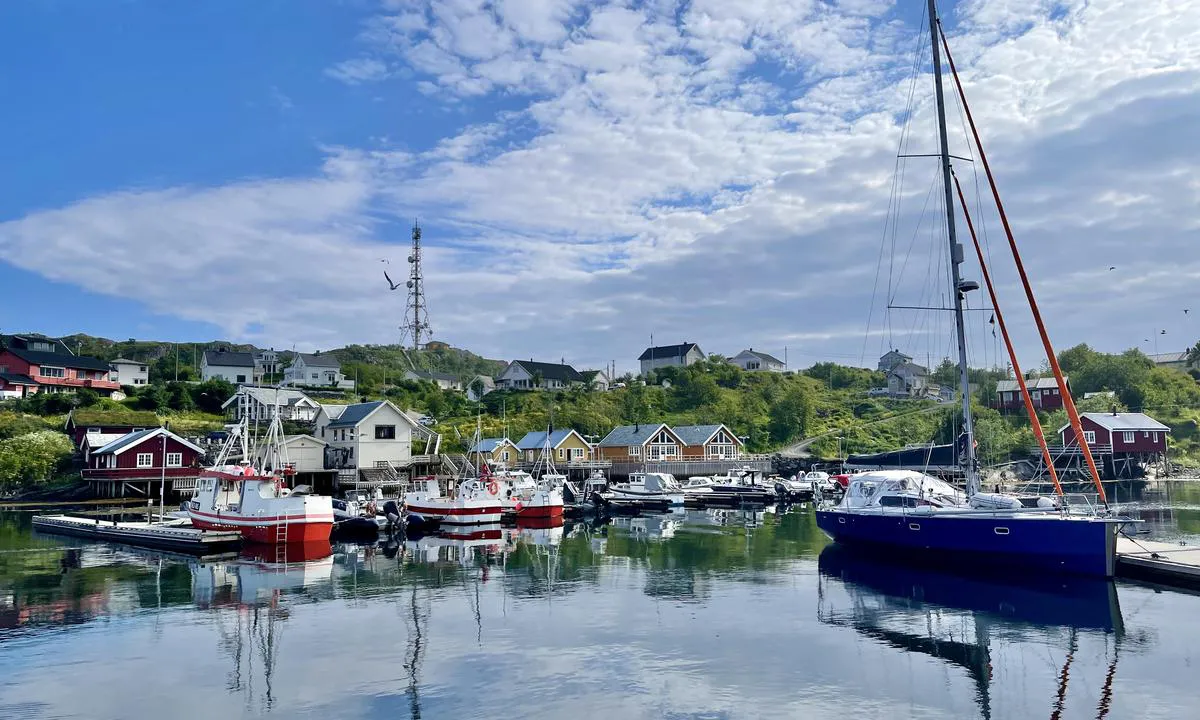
[586, 173]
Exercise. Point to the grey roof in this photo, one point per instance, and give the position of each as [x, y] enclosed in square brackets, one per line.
[551, 371]
[356, 413]
[693, 435]
[912, 367]
[134, 438]
[434, 375]
[1171, 357]
[762, 356]
[1125, 421]
[126, 361]
[269, 396]
[668, 351]
[332, 410]
[630, 435]
[319, 360]
[17, 379]
[1031, 383]
[225, 358]
[486, 445]
[536, 439]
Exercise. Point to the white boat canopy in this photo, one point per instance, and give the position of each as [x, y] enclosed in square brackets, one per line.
[870, 489]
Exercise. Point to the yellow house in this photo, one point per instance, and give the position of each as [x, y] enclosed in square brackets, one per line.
[565, 446]
[495, 451]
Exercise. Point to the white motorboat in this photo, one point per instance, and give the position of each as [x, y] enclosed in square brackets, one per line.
[698, 485]
[472, 502]
[649, 486]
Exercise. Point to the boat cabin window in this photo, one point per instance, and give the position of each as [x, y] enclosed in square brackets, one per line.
[898, 501]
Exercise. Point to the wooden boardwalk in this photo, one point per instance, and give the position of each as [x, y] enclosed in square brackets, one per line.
[1166, 563]
[142, 534]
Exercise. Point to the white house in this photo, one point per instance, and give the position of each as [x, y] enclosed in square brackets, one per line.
[907, 378]
[479, 386]
[259, 403]
[755, 361]
[129, 372]
[236, 367]
[891, 359]
[445, 381]
[316, 369]
[530, 375]
[598, 379]
[266, 362]
[305, 452]
[368, 435]
[679, 355]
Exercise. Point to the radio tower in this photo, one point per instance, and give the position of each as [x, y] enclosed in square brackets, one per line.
[416, 315]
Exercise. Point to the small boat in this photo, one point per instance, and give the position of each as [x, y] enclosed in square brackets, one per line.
[472, 502]
[698, 485]
[655, 487]
[745, 485]
[257, 501]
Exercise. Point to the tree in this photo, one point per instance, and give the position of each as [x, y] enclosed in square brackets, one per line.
[791, 415]
[210, 395]
[1193, 355]
[179, 397]
[33, 457]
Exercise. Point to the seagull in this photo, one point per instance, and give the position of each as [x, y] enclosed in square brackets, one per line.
[1164, 332]
[1185, 311]
[394, 285]
[1112, 267]
[385, 260]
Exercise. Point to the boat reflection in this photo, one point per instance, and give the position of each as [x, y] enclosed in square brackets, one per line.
[953, 616]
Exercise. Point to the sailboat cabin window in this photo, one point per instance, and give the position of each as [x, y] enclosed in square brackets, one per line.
[385, 432]
[1089, 437]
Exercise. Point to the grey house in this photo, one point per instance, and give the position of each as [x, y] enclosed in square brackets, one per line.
[679, 355]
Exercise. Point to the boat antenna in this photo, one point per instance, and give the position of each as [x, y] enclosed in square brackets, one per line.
[959, 288]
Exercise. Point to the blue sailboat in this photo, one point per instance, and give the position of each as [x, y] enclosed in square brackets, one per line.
[903, 512]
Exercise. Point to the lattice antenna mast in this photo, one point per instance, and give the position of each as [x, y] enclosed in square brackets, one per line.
[416, 314]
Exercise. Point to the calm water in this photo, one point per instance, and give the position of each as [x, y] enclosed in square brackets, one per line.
[703, 615]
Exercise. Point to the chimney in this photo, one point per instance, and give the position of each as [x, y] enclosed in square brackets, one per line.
[1114, 410]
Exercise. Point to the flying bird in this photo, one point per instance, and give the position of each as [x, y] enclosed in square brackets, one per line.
[1112, 267]
[1164, 332]
[394, 285]
[1185, 311]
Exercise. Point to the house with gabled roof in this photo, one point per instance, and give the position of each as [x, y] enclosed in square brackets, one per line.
[34, 363]
[234, 367]
[530, 375]
[316, 370]
[446, 381]
[710, 442]
[365, 435]
[566, 445]
[681, 355]
[144, 455]
[494, 452]
[757, 361]
[1124, 432]
[259, 404]
[891, 359]
[907, 378]
[1042, 391]
[640, 443]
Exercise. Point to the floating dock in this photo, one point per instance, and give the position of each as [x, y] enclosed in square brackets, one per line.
[192, 541]
[1160, 562]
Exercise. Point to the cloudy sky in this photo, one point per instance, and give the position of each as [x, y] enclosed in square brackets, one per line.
[588, 174]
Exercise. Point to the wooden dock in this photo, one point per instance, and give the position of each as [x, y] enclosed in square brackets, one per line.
[192, 541]
[1160, 562]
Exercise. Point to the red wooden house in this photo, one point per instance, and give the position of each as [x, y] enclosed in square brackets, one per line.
[52, 366]
[1124, 432]
[86, 421]
[142, 458]
[1042, 391]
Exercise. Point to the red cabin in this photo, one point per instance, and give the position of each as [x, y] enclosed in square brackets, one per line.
[1124, 432]
[1042, 391]
[52, 366]
[143, 457]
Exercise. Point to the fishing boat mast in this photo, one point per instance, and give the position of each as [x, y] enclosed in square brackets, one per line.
[960, 287]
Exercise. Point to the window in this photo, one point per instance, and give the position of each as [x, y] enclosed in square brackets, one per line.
[145, 460]
[385, 432]
[635, 450]
[315, 376]
[1145, 433]
[139, 381]
[1054, 391]
[504, 456]
[1155, 437]
[241, 378]
[93, 430]
[52, 372]
[174, 459]
[81, 374]
[576, 453]
[1128, 437]
[141, 368]
[1089, 437]
[562, 453]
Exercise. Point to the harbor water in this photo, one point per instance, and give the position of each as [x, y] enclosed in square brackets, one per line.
[703, 614]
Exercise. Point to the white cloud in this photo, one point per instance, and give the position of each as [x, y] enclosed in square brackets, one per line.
[358, 71]
[709, 171]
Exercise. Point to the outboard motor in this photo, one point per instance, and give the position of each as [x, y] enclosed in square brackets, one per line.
[568, 491]
[391, 511]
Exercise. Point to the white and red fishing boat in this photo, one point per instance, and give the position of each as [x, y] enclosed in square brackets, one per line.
[471, 502]
[254, 495]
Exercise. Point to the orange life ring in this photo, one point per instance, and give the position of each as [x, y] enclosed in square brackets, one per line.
[493, 488]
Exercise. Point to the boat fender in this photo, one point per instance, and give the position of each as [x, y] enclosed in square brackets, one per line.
[1045, 502]
[493, 488]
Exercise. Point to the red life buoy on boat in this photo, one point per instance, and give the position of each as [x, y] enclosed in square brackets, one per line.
[493, 488]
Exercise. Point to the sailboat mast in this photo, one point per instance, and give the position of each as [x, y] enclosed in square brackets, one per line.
[956, 257]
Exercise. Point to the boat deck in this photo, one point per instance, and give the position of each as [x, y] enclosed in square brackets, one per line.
[192, 541]
[1166, 563]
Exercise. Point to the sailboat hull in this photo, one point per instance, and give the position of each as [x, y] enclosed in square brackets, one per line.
[1049, 543]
